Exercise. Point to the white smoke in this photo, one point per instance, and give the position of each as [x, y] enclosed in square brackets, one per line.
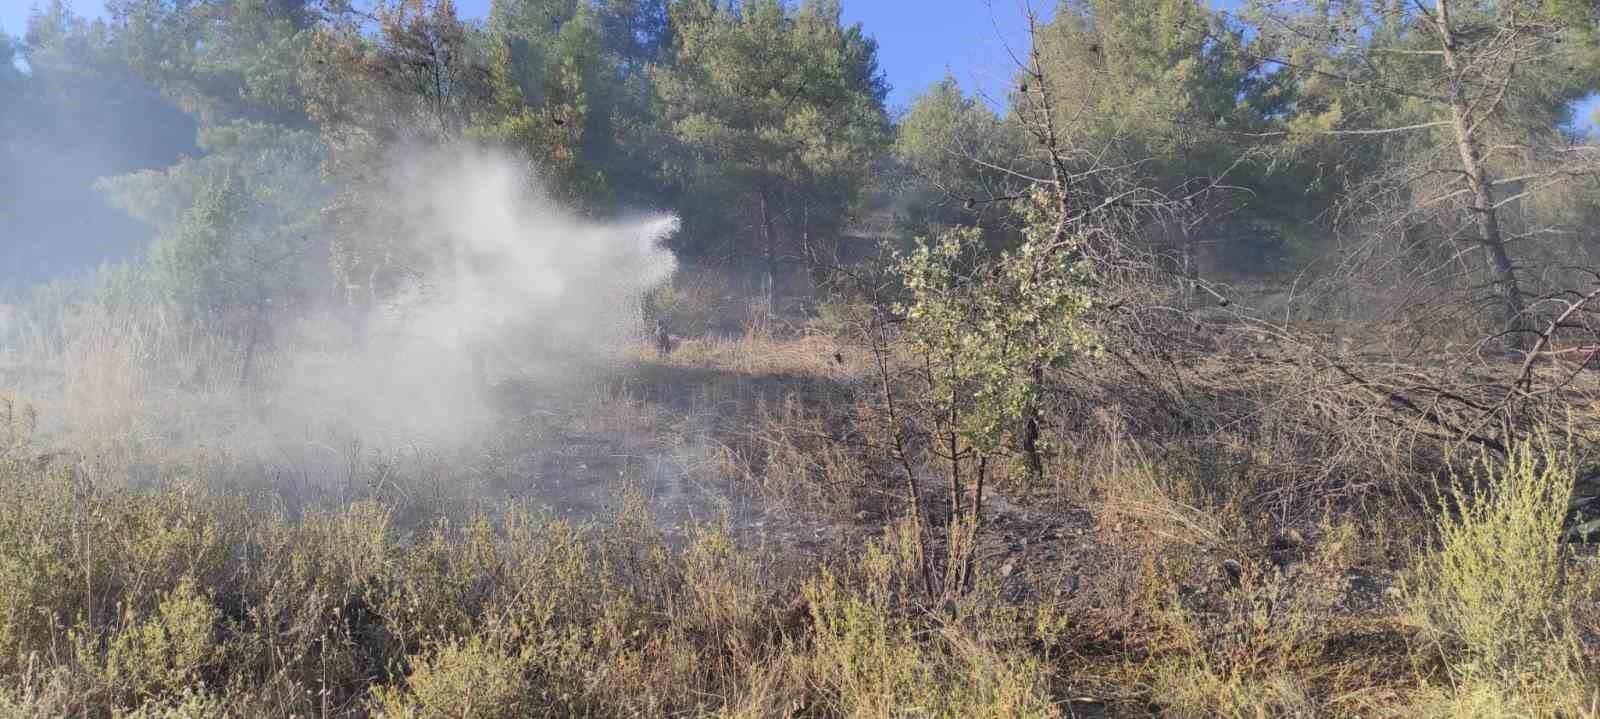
[496, 272]
[511, 258]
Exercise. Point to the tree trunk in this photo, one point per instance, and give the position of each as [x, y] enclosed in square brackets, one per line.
[1484, 212]
[770, 276]
[1191, 267]
[1031, 433]
[247, 368]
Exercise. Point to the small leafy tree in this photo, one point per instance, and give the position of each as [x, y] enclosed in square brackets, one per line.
[237, 230]
[984, 330]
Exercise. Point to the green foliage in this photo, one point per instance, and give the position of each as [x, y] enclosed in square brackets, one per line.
[955, 147]
[111, 581]
[1171, 97]
[1360, 67]
[234, 247]
[867, 661]
[867, 658]
[780, 108]
[76, 69]
[1161, 82]
[189, 704]
[469, 678]
[1161, 72]
[422, 78]
[550, 76]
[77, 113]
[942, 130]
[177, 604]
[221, 60]
[168, 651]
[988, 326]
[572, 92]
[1493, 597]
[421, 82]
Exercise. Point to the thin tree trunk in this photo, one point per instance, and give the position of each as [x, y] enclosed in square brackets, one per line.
[1191, 267]
[1483, 205]
[257, 326]
[902, 455]
[967, 571]
[1045, 133]
[769, 279]
[1031, 433]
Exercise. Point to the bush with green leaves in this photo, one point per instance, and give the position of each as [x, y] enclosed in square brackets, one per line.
[988, 326]
[1494, 597]
[984, 331]
[238, 230]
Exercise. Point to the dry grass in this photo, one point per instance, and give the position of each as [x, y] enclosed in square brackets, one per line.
[1496, 602]
[125, 600]
[1238, 558]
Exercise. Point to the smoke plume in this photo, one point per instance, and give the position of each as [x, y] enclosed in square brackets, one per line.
[494, 282]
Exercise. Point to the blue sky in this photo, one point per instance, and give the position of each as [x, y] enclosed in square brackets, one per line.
[919, 40]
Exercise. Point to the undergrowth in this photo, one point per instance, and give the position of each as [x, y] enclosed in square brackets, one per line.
[1197, 585]
[183, 603]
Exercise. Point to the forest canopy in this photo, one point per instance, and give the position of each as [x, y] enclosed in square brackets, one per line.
[762, 123]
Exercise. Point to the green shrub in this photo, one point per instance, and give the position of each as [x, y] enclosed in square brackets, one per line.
[870, 655]
[1493, 597]
[461, 679]
[189, 704]
[71, 556]
[164, 654]
[18, 421]
[308, 595]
